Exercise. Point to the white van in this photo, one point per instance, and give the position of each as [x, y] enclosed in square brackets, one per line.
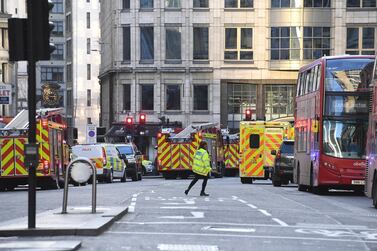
[105, 157]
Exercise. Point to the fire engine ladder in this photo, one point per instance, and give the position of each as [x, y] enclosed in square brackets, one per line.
[21, 121]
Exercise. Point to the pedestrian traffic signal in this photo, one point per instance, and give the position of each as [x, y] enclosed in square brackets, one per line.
[248, 114]
[142, 118]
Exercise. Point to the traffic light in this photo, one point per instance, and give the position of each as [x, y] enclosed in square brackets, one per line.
[129, 121]
[29, 39]
[248, 114]
[142, 118]
[39, 15]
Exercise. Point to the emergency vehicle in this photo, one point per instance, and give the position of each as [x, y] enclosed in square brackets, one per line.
[175, 153]
[106, 158]
[231, 154]
[53, 154]
[257, 141]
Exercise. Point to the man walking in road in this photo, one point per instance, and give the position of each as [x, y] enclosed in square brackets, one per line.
[201, 168]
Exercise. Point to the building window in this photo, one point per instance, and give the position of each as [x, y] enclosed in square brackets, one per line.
[200, 97]
[69, 99]
[200, 43]
[317, 3]
[173, 43]
[147, 97]
[58, 7]
[146, 4]
[127, 97]
[285, 43]
[173, 97]
[361, 40]
[240, 98]
[238, 4]
[238, 44]
[126, 43]
[316, 42]
[69, 73]
[2, 6]
[173, 3]
[279, 101]
[58, 53]
[146, 43]
[88, 97]
[68, 47]
[361, 3]
[89, 121]
[52, 74]
[88, 20]
[125, 4]
[4, 73]
[4, 38]
[200, 4]
[88, 72]
[88, 49]
[58, 30]
[68, 23]
[286, 3]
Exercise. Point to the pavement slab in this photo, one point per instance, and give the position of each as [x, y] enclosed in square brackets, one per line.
[78, 221]
[40, 245]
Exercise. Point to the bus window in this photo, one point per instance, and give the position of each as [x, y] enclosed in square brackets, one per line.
[315, 76]
[254, 141]
[319, 77]
[298, 93]
[308, 79]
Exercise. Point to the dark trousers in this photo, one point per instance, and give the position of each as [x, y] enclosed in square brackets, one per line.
[196, 178]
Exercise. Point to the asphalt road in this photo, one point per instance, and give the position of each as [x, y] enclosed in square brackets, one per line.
[233, 217]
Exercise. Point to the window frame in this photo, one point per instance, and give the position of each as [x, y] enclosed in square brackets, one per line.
[238, 48]
[360, 50]
[239, 5]
[197, 96]
[180, 97]
[196, 46]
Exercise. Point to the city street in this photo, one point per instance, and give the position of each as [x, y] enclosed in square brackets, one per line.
[233, 217]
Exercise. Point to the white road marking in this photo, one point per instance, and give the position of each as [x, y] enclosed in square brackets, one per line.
[186, 202]
[147, 198]
[327, 226]
[252, 206]
[134, 199]
[338, 227]
[223, 229]
[178, 207]
[242, 201]
[181, 247]
[131, 207]
[248, 236]
[234, 197]
[280, 222]
[195, 215]
[264, 212]
[206, 199]
[221, 200]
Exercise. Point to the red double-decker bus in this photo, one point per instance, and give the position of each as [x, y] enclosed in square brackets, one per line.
[331, 120]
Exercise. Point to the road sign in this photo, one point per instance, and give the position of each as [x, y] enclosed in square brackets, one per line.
[5, 94]
[91, 134]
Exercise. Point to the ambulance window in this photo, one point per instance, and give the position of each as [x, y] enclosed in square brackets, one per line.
[254, 141]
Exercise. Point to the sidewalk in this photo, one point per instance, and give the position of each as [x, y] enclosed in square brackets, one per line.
[78, 221]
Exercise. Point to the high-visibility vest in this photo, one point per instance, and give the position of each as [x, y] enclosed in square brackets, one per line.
[201, 163]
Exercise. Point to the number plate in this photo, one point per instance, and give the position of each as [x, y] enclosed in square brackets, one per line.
[358, 182]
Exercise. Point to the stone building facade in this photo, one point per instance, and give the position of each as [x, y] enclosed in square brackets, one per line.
[209, 60]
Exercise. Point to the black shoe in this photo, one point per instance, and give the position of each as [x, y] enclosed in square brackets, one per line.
[204, 194]
[186, 192]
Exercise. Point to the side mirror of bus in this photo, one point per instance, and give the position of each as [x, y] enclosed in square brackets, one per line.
[273, 152]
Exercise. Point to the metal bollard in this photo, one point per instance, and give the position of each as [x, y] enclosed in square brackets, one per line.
[94, 184]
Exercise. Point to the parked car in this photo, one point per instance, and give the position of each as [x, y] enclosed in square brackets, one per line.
[148, 167]
[105, 157]
[284, 162]
[133, 158]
